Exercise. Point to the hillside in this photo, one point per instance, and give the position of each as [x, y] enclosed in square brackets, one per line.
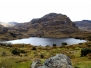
[84, 25]
[51, 25]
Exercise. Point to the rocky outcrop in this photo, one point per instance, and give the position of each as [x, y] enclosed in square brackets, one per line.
[58, 61]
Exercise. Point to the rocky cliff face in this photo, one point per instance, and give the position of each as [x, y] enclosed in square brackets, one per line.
[84, 25]
[58, 61]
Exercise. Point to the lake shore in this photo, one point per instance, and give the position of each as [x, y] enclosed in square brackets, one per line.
[46, 41]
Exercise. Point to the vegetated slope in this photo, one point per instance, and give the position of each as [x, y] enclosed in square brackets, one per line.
[84, 25]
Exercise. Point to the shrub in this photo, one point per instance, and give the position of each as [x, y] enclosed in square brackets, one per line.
[41, 56]
[64, 43]
[80, 43]
[34, 48]
[16, 51]
[54, 45]
[85, 51]
[77, 38]
[47, 46]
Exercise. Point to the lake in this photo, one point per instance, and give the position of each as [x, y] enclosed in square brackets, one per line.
[46, 41]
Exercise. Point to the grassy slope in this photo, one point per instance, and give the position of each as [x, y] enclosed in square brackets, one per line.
[12, 61]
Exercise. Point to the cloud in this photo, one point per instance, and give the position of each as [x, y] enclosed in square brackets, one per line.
[25, 10]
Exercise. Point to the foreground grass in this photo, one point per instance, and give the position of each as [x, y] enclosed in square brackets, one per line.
[24, 60]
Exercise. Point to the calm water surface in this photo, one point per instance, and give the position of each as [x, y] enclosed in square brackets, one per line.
[47, 41]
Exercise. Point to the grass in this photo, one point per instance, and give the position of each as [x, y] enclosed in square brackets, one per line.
[24, 60]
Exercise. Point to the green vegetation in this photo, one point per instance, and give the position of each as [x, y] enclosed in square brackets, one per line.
[22, 55]
[85, 51]
[54, 45]
[64, 43]
[16, 51]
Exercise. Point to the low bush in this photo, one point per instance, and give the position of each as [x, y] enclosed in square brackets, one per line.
[16, 51]
[34, 48]
[54, 45]
[85, 51]
[64, 43]
[41, 56]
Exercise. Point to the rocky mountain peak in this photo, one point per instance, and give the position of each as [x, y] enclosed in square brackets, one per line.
[50, 17]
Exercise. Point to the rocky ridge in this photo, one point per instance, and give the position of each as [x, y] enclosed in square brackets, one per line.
[51, 25]
[84, 25]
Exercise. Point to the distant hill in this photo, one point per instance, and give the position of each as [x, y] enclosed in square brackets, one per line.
[84, 25]
[13, 23]
[9, 24]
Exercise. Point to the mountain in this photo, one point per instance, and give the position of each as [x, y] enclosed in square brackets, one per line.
[9, 24]
[4, 24]
[84, 25]
[13, 23]
[50, 25]
[1, 28]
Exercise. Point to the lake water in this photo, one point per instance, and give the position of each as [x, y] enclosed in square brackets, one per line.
[47, 41]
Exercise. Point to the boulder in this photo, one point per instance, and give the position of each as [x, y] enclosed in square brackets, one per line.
[58, 61]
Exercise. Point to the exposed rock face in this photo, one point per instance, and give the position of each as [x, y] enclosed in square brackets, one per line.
[58, 61]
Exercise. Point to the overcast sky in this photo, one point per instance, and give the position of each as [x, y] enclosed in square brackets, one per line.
[25, 10]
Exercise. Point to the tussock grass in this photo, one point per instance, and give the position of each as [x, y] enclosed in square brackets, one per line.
[24, 60]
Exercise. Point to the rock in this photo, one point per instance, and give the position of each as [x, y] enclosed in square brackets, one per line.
[36, 64]
[58, 61]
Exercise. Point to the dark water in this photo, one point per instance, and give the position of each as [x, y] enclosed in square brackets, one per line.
[47, 41]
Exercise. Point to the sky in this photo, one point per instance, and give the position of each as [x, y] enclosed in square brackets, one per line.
[25, 10]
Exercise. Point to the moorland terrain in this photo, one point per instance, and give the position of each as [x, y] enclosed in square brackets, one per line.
[51, 25]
